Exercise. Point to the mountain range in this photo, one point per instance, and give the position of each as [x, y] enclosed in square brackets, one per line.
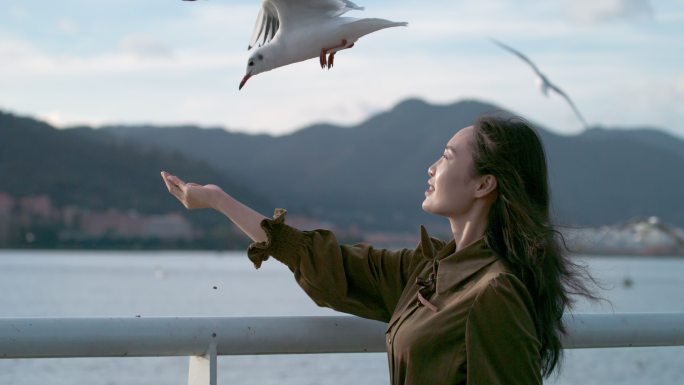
[374, 173]
[95, 170]
[371, 175]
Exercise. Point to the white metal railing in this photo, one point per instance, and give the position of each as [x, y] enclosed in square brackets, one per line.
[206, 337]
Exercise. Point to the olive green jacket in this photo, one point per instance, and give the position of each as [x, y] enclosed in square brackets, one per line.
[454, 317]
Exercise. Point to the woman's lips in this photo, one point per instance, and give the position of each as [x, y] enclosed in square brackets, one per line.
[429, 190]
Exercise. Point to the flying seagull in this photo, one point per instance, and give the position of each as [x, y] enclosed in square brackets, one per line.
[544, 84]
[290, 31]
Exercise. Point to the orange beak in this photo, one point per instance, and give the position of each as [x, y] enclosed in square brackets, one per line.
[244, 80]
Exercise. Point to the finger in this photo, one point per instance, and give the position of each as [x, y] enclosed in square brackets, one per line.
[173, 188]
[178, 186]
[172, 178]
[167, 182]
[176, 180]
[177, 192]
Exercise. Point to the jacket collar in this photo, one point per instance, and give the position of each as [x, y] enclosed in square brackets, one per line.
[455, 267]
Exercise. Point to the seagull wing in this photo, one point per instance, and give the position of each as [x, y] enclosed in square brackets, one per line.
[274, 13]
[266, 26]
[518, 54]
[567, 98]
[293, 9]
[546, 81]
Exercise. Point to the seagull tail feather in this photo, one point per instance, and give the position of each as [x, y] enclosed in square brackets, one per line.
[363, 27]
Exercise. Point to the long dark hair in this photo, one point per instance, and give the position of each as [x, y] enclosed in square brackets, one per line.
[519, 229]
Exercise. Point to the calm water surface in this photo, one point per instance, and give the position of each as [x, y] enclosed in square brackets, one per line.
[76, 284]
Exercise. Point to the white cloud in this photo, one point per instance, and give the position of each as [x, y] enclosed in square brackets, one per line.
[440, 57]
[18, 13]
[669, 17]
[146, 48]
[23, 59]
[16, 54]
[67, 26]
[594, 11]
[213, 24]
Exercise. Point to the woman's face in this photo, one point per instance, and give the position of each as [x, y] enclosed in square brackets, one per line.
[452, 183]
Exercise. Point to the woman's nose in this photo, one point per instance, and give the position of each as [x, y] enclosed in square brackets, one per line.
[431, 170]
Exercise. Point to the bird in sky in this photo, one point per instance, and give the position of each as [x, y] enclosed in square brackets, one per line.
[543, 82]
[291, 31]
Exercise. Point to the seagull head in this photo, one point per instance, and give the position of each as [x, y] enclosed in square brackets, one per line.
[256, 64]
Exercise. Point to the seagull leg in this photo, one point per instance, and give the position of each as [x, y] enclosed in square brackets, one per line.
[322, 58]
[331, 56]
[331, 59]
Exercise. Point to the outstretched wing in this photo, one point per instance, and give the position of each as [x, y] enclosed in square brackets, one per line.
[266, 26]
[545, 80]
[518, 54]
[572, 104]
[276, 13]
[329, 8]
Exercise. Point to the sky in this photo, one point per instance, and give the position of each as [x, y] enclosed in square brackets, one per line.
[170, 62]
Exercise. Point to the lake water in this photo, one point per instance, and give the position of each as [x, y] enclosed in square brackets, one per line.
[79, 284]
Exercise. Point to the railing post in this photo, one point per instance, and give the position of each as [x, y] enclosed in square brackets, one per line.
[203, 369]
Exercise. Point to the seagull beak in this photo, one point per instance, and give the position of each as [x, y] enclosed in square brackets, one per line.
[244, 80]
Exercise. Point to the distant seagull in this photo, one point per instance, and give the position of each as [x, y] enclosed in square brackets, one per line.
[544, 84]
[290, 31]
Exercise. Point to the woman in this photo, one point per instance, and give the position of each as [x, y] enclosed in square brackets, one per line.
[483, 308]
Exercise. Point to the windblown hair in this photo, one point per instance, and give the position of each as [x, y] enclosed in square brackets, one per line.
[519, 228]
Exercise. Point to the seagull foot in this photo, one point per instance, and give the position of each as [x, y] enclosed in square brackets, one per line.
[331, 60]
[322, 58]
[331, 56]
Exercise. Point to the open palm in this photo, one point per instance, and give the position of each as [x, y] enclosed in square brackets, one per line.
[191, 195]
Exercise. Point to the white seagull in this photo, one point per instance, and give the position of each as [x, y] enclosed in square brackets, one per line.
[290, 31]
[543, 82]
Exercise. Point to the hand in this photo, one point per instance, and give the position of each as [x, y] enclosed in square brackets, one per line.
[191, 195]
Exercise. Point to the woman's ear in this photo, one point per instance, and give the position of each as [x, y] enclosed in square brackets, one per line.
[486, 186]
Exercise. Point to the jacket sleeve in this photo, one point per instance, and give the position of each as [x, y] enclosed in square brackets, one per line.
[502, 347]
[358, 279]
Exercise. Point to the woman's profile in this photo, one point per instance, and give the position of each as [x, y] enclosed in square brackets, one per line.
[485, 306]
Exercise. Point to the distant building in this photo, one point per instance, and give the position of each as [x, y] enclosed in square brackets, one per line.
[37, 206]
[309, 223]
[131, 224]
[6, 208]
[74, 223]
[638, 237]
[169, 226]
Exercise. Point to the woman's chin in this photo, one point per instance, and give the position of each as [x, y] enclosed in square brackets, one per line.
[426, 205]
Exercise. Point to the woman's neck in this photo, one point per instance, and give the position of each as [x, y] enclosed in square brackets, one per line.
[470, 227]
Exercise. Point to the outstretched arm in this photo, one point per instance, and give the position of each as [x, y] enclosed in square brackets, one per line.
[195, 196]
[358, 279]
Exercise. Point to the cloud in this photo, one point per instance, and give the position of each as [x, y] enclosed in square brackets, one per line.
[671, 17]
[16, 53]
[22, 59]
[18, 13]
[596, 11]
[67, 26]
[190, 63]
[146, 48]
[211, 25]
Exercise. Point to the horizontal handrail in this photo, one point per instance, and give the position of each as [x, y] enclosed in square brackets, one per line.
[191, 336]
